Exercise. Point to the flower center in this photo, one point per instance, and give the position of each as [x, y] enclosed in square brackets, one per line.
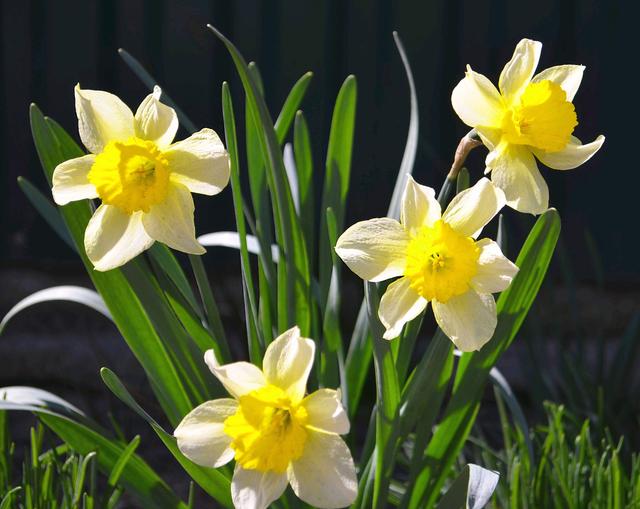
[543, 118]
[132, 175]
[441, 262]
[268, 431]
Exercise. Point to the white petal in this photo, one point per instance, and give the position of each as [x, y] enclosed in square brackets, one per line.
[201, 436]
[112, 237]
[326, 412]
[477, 101]
[252, 489]
[325, 475]
[495, 270]
[102, 117]
[573, 155]
[468, 319]
[514, 170]
[200, 162]
[419, 205]
[70, 181]
[239, 378]
[399, 304]
[473, 208]
[374, 249]
[518, 72]
[156, 121]
[171, 221]
[287, 362]
[567, 76]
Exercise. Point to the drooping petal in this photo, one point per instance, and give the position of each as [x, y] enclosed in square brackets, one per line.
[374, 249]
[477, 101]
[399, 304]
[239, 378]
[473, 208]
[112, 238]
[201, 436]
[156, 121]
[325, 475]
[70, 181]
[567, 76]
[469, 319]
[287, 362]
[419, 205]
[252, 489]
[573, 155]
[200, 162]
[171, 221]
[102, 117]
[326, 412]
[518, 72]
[495, 270]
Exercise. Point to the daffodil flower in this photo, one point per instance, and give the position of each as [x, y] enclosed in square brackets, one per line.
[275, 433]
[438, 260]
[143, 179]
[529, 117]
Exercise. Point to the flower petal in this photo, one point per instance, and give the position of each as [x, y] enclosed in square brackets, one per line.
[156, 121]
[477, 101]
[112, 237]
[325, 475]
[171, 221]
[287, 362]
[469, 319]
[102, 117]
[567, 76]
[495, 270]
[200, 162]
[201, 436]
[70, 181]
[374, 249]
[573, 155]
[473, 208]
[419, 205]
[326, 412]
[239, 378]
[399, 304]
[252, 489]
[518, 72]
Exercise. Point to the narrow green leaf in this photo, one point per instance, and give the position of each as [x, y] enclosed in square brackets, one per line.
[304, 166]
[290, 106]
[118, 468]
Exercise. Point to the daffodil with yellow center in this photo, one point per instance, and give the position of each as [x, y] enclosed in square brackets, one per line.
[276, 434]
[142, 178]
[437, 259]
[528, 118]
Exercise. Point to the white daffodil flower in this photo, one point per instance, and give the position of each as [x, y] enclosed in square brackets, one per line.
[143, 179]
[529, 117]
[276, 434]
[438, 260]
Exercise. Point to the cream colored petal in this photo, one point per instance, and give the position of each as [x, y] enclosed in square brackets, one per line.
[473, 208]
[573, 155]
[70, 181]
[495, 270]
[102, 117]
[518, 72]
[326, 412]
[239, 378]
[399, 304]
[325, 475]
[252, 489]
[477, 101]
[567, 76]
[419, 206]
[171, 221]
[514, 170]
[201, 436]
[374, 249]
[469, 319]
[112, 238]
[200, 162]
[490, 137]
[287, 362]
[156, 121]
